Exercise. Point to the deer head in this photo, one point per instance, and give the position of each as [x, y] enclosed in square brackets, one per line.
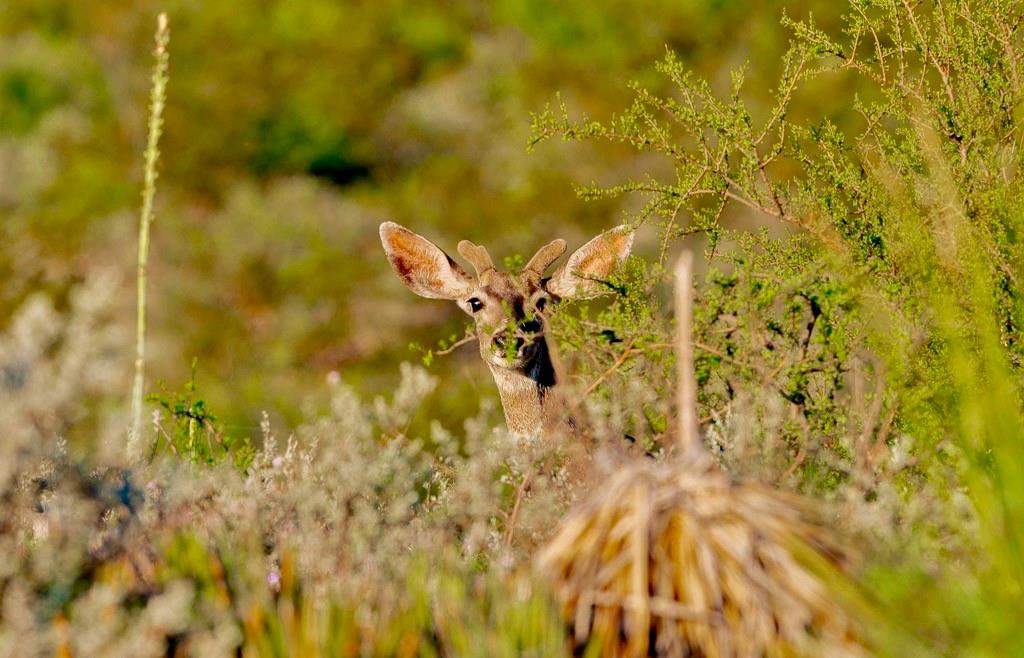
[509, 308]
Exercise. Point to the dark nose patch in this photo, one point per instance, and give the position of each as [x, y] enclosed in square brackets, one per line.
[529, 327]
[501, 341]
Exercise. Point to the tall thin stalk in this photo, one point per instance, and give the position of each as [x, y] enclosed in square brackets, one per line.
[157, 96]
[686, 384]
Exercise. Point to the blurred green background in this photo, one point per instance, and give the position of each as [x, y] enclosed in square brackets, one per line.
[292, 129]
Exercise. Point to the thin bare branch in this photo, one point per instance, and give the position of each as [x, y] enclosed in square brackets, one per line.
[454, 346]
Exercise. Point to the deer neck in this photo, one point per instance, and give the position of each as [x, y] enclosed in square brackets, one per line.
[529, 395]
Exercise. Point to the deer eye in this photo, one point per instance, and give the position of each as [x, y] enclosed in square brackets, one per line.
[474, 304]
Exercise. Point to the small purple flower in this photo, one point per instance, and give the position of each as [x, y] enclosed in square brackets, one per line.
[274, 580]
[277, 461]
[333, 378]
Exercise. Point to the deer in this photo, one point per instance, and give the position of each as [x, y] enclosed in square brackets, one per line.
[509, 310]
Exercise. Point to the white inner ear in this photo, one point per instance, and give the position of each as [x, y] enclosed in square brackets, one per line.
[422, 266]
[594, 260]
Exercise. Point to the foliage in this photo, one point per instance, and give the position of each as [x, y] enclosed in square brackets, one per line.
[865, 346]
[856, 196]
[195, 434]
[913, 212]
[773, 328]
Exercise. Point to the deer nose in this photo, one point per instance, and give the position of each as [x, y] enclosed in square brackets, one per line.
[500, 342]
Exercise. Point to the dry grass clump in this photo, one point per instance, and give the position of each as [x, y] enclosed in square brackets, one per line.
[678, 560]
[675, 559]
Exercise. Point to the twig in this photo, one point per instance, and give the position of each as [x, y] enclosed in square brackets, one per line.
[878, 449]
[801, 456]
[873, 415]
[520, 494]
[626, 353]
[451, 348]
[158, 94]
[721, 355]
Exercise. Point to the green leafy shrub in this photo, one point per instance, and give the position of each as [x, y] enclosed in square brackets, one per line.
[195, 433]
[910, 256]
[857, 196]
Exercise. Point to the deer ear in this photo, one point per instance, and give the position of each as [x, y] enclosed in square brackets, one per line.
[581, 275]
[422, 266]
